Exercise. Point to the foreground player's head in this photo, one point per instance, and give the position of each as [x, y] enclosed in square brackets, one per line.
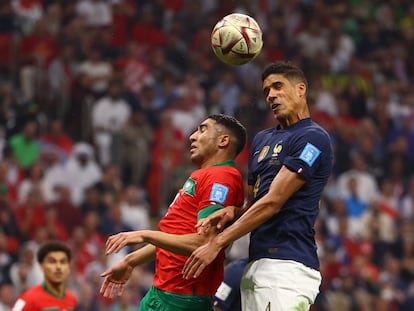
[284, 87]
[218, 138]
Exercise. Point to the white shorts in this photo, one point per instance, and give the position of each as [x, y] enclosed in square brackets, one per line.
[278, 285]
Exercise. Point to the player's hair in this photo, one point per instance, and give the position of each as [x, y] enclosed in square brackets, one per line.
[53, 246]
[234, 126]
[287, 69]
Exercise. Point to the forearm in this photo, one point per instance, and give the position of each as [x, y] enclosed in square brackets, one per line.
[183, 244]
[281, 189]
[240, 211]
[141, 256]
[247, 222]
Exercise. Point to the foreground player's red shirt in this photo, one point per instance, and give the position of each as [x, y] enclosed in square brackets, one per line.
[216, 186]
[40, 298]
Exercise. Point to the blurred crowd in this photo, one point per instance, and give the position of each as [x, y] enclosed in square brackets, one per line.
[98, 97]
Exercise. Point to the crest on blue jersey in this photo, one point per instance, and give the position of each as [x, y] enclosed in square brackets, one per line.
[309, 154]
[219, 193]
[263, 153]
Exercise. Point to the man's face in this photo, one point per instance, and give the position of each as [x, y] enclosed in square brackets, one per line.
[204, 142]
[283, 97]
[56, 267]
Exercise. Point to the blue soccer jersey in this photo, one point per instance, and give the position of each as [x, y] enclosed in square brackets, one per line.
[304, 148]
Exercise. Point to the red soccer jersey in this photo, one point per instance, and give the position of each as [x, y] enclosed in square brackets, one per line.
[217, 185]
[39, 298]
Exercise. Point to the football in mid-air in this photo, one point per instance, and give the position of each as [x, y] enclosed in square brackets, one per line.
[236, 39]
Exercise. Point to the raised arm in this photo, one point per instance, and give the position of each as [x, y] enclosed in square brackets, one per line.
[183, 244]
[118, 274]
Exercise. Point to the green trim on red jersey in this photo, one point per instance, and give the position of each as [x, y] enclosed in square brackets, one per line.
[226, 163]
[44, 285]
[208, 211]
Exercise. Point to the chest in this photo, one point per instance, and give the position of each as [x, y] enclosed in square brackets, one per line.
[269, 154]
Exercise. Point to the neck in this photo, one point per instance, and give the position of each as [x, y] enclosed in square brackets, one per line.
[57, 289]
[290, 120]
[215, 161]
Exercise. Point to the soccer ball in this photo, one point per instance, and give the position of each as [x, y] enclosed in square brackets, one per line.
[236, 39]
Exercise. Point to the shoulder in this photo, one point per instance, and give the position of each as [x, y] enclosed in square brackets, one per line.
[312, 133]
[263, 133]
[71, 295]
[214, 171]
[35, 290]
[29, 297]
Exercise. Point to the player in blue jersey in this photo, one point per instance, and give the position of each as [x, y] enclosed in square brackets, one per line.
[289, 166]
[227, 297]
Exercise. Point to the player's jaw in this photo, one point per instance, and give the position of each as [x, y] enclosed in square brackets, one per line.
[195, 153]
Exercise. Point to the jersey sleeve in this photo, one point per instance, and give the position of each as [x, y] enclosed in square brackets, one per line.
[22, 305]
[308, 152]
[219, 189]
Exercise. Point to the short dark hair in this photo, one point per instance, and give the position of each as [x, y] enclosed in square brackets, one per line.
[234, 126]
[287, 69]
[53, 246]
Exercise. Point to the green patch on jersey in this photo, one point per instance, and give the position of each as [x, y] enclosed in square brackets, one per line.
[208, 211]
[189, 186]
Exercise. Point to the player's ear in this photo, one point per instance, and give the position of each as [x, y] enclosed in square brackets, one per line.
[224, 140]
[301, 88]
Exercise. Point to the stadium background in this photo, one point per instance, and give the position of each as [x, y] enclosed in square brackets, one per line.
[97, 99]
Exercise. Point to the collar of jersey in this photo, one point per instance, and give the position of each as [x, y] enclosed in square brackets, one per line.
[226, 163]
[300, 123]
[44, 285]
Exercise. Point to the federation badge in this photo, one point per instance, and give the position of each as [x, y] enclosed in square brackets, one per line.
[263, 153]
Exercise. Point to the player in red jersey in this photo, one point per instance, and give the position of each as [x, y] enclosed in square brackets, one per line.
[54, 259]
[214, 146]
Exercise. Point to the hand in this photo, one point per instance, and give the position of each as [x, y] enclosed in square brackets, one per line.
[116, 242]
[200, 259]
[218, 219]
[115, 279]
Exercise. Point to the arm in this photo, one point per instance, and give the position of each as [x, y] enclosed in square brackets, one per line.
[179, 244]
[224, 217]
[283, 186]
[141, 256]
[183, 244]
[118, 274]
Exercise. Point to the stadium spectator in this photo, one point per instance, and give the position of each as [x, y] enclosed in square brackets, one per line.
[135, 208]
[7, 296]
[97, 13]
[25, 145]
[135, 141]
[109, 116]
[81, 171]
[97, 72]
